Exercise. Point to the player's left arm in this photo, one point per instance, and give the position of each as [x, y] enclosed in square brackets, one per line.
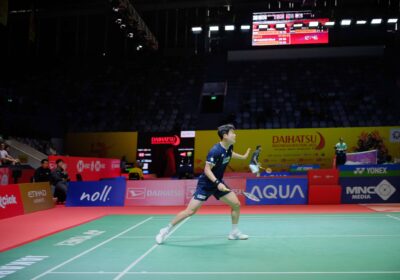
[238, 156]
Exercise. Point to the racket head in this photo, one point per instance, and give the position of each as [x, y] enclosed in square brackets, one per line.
[251, 196]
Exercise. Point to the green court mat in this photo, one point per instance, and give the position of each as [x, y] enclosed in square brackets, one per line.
[283, 247]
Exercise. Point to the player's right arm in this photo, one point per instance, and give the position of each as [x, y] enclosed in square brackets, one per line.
[210, 175]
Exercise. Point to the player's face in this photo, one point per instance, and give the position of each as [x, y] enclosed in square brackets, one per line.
[231, 137]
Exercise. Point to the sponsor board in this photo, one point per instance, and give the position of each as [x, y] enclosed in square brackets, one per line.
[173, 192]
[155, 192]
[295, 168]
[370, 170]
[36, 196]
[276, 174]
[370, 190]
[91, 169]
[102, 193]
[323, 177]
[10, 201]
[278, 191]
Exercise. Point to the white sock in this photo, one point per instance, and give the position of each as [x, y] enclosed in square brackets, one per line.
[169, 227]
[234, 227]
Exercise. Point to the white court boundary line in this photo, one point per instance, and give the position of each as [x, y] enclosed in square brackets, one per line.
[234, 272]
[393, 217]
[135, 262]
[269, 236]
[91, 249]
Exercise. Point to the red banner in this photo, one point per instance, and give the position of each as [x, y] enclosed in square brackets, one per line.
[10, 201]
[323, 177]
[173, 192]
[91, 169]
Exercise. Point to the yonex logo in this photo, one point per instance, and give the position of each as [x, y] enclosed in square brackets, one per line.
[136, 193]
[385, 190]
[359, 170]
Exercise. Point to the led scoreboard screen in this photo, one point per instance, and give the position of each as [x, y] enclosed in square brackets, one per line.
[288, 28]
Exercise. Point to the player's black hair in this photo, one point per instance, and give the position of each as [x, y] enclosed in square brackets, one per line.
[258, 146]
[224, 129]
[58, 161]
[44, 160]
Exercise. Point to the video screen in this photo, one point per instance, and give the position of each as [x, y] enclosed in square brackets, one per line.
[288, 28]
[166, 154]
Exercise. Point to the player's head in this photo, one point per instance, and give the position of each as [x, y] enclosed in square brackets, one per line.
[227, 132]
[258, 147]
[341, 139]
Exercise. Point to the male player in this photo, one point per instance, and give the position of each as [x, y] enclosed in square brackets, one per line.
[210, 183]
[254, 164]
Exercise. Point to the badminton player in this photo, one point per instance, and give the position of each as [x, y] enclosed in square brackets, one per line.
[254, 164]
[211, 183]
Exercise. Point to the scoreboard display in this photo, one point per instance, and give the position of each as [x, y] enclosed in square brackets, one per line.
[288, 28]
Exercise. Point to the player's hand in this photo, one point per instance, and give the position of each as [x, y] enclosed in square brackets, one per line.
[247, 152]
[223, 188]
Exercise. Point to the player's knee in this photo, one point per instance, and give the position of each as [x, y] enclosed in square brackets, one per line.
[190, 212]
[236, 205]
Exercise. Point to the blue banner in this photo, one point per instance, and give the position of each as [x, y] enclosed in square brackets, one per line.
[110, 192]
[370, 190]
[278, 191]
[370, 170]
[302, 169]
[276, 174]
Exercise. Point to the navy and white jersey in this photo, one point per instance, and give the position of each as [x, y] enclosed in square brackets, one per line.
[254, 157]
[219, 158]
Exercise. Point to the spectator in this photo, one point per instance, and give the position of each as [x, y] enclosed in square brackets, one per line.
[42, 174]
[5, 158]
[59, 180]
[341, 149]
[136, 172]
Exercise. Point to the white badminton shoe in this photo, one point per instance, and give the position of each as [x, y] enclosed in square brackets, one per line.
[237, 235]
[162, 235]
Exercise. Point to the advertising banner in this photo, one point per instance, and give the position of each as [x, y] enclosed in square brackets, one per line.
[36, 196]
[367, 157]
[155, 193]
[5, 176]
[282, 148]
[173, 192]
[370, 190]
[91, 169]
[237, 185]
[278, 191]
[323, 177]
[370, 170]
[109, 192]
[10, 201]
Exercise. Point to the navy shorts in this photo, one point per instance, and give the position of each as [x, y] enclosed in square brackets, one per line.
[205, 189]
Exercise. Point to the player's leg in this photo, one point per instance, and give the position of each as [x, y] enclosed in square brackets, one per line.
[232, 200]
[192, 207]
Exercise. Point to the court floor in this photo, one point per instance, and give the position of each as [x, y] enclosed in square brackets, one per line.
[281, 246]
